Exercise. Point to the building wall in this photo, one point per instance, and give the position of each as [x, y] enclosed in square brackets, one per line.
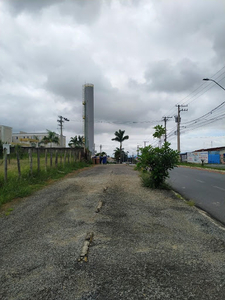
[6, 134]
[25, 139]
[88, 102]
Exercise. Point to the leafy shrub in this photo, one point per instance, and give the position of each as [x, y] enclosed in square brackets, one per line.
[157, 162]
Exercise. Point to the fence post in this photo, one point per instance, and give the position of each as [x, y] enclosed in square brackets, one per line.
[31, 162]
[61, 157]
[74, 155]
[79, 156]
[38, 159]
[18, 163]
[50, 157]
[5, 164]
[64, 158]
[46, 159]
[56, 158]
[68, 157]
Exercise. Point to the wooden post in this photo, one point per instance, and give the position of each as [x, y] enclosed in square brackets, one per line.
[38, 159]
[61, 157]
[5, 164]
[79, 156]
[30, 160]
[64, 158]
[46, 159]
[56, 158]
[74, 156]
[18, 163]
[50, 157]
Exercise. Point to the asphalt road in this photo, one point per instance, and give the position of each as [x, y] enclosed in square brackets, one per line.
[205, 188]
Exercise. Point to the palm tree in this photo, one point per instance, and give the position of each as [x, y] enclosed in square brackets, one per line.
[118, 154]
[76, 142]
[120, 137]
[52, 137]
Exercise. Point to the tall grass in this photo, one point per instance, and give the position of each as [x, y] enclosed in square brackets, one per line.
[16, 187]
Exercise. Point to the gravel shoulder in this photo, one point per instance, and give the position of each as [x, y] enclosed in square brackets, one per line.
[146, 244]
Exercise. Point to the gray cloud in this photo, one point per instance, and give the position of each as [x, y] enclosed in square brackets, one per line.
[82, 11]
[166, 76]
[143, 58]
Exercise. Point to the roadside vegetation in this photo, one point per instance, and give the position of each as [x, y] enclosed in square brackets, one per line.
[27, 183]
[204, 166]
[155, 162]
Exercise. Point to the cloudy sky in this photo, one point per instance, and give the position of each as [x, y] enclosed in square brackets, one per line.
[144, 57]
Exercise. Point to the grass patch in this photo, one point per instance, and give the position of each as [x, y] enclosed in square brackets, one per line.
[191, 203]
[21, 187]
[205, 166]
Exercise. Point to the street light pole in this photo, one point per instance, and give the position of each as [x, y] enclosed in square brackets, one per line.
[209, 79]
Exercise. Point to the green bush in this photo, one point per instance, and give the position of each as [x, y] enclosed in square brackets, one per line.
[157, 162]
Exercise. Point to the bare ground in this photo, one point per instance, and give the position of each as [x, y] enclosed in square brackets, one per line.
[146, 244]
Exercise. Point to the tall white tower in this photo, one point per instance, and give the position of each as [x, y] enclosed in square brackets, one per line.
[88, 102]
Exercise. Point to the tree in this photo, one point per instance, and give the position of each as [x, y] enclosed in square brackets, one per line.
[101, 153]
[118, 154]
[35, 142]
[120, 137]
[159, 131]
[76, 142]
[52, 137]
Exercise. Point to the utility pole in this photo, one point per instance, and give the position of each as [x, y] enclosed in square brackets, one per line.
[61, 121]
[165, 119]
[178, 120]
[100, 148]
[145, 143]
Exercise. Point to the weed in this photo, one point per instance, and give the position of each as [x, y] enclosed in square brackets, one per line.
[25, 185]
[191, 203]
[9, 210]
[147, 181]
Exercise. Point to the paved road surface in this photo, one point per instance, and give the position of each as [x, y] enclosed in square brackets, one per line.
[146, 244]
[205, 188]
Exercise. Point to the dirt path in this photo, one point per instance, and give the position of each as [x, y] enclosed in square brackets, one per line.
[146, 244]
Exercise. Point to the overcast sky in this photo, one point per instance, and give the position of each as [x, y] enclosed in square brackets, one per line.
[144, 57]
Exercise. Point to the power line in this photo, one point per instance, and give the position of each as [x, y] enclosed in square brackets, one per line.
[203, 89]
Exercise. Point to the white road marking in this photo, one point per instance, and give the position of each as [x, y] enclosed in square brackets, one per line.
[217, 187]
[199, 180]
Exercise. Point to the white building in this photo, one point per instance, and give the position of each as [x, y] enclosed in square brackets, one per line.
[32, 139]
[6, 134]
[88, 102]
